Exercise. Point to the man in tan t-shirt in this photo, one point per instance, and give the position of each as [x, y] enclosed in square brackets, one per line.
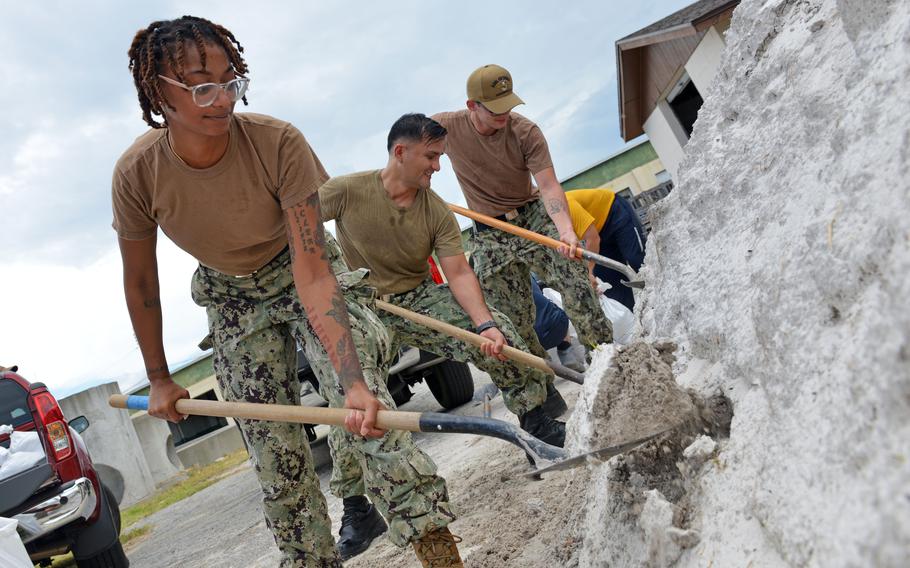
[495, 154]
[390, 222]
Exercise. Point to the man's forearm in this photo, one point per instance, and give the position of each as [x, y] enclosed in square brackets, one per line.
[554, 201]
[469, 296]
[328, 314]
[319, 292]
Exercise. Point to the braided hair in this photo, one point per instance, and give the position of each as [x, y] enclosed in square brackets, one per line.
[163, 44]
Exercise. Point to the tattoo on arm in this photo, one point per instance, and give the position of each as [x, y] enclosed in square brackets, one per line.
[312, 237]
[343, 350]
[152, 302]
[554, 206]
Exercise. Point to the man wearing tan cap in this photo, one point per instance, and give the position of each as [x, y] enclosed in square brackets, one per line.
[495, 153]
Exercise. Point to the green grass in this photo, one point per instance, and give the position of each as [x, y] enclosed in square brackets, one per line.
[197, 478]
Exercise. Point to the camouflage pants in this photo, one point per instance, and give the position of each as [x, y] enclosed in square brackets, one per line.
[256, 323]
[522, 388]
[504, 263]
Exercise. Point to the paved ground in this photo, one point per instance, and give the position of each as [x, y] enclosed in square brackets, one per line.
[223, 525]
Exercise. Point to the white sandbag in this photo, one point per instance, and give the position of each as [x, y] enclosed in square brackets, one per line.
[620, 316]
[12, 551]
[25, 452]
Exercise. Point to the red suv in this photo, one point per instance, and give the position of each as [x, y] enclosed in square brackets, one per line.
[60, 502]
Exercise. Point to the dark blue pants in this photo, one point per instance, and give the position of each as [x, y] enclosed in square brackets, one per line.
[622, 238]
[551, 324]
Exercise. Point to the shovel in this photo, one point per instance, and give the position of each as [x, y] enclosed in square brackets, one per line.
[546, 457]
[632, 276]
[510, 352]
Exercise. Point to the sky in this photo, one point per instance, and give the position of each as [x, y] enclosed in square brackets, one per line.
[341, 71]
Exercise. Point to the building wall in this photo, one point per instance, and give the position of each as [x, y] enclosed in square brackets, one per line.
[112, 442]
[638, 180]
[605, 172]
[667, 136]
[163, 457]
[157, 447]
[662, 126]
[705, 60]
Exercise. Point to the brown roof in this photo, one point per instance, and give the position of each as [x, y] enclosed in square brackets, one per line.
[647, 59]
[687, 17]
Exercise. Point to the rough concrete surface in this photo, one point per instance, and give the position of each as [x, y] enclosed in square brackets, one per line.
[780, 267]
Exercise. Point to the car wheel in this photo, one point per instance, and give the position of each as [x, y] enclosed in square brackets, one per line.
[451, 383]
[113, 556]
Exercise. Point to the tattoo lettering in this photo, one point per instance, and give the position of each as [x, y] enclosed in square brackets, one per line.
[152, 302]
[312, 238]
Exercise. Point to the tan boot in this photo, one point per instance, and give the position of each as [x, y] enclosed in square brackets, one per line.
[438, 549]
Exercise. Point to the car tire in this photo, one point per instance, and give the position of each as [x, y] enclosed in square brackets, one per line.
[113, 556]
[451, 383]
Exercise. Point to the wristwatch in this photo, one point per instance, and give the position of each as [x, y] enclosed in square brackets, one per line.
[485, 326]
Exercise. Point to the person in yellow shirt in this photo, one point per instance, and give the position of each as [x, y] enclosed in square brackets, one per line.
[610, 227]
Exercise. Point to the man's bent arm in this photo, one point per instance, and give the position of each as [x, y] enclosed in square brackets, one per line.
[140, 286]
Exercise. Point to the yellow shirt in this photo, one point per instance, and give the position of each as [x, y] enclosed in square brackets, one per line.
[587, 206]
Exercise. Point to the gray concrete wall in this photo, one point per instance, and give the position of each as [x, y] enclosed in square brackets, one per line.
[112, 442]
[158, 447]
[210, 447]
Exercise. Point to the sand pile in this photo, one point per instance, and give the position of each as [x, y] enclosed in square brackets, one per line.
[643, 495]
[780, 266]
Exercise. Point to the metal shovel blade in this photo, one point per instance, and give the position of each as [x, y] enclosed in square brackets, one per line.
[602, 454]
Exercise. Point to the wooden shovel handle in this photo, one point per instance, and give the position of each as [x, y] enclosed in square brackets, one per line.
[474, 339]
[386, 419]
[546, 241]
[510, 228]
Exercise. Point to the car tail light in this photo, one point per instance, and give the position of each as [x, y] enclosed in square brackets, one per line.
[54, 425]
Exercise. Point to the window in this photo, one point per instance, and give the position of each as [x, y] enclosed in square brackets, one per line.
[662, 176]
[196, 426]
[13, 404]
[685, 101]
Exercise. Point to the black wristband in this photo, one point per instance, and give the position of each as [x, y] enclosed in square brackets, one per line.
[485, 326]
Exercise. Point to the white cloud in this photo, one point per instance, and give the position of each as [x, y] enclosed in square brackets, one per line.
[341, 71]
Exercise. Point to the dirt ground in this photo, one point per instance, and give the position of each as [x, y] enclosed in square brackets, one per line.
[504, 519]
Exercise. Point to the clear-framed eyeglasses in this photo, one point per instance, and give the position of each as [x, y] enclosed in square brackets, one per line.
[205, 94]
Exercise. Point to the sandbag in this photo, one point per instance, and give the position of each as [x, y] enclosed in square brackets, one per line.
[12, 551]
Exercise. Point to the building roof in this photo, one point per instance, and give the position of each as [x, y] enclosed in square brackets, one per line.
[646, 59]
[685, 19]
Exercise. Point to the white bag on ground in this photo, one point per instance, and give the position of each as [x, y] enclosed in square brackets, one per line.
[12, 551]
[622, 319]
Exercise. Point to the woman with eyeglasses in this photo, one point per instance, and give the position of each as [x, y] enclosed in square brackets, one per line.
[238, 192]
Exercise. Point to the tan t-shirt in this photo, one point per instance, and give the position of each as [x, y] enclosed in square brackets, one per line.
[495, 171]
[393, 242]
[229, 216]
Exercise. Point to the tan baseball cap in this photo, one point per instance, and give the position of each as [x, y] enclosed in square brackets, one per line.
[491, 85]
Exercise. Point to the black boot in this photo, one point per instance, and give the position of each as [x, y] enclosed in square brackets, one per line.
[360, 524]
[536, 423]
[555, 405]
